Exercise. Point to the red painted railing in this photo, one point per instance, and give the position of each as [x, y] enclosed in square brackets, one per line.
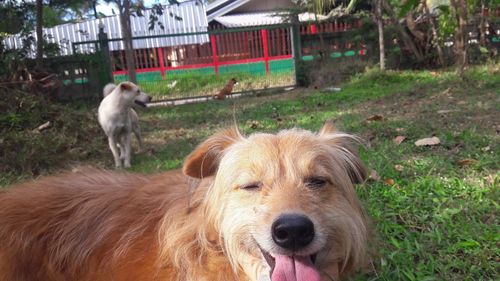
[226, 48]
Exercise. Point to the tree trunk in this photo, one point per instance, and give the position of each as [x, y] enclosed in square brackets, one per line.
[322, 47]
[124, 9]
[39, 33]
[380, 27]
[460, 8]
[408, 41]
[94, 8]
[482, 25]
[412, 27]
[434, 33]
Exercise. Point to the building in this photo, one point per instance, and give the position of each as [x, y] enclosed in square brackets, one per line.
[206, 38]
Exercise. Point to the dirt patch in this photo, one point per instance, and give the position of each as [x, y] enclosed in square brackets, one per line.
[451, 107]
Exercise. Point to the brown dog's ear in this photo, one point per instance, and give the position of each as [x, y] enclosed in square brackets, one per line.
[126, 86]
[204, 160]
[358, 172]
[328, 128]
[355, 167]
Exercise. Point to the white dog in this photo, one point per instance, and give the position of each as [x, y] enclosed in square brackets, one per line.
[134, 118]
[119, 120]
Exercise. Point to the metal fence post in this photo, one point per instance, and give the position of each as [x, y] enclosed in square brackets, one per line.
[105, 75]
[214, 54]
[265, 48]
[296, 49]
[161, 61]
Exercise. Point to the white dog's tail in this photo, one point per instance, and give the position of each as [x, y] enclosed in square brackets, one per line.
[108, 89]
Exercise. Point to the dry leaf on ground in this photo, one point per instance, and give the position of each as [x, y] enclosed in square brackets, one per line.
[490, 179]
[466, 162]
[180, 133]
[399, 139]
[376, 117]
[389, 181]
[151, 152]
[444, 111]
[374, 176]
[42, 127]
[428, 141]
[254, 124]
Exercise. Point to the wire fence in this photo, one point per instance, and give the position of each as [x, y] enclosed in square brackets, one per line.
[259, 58]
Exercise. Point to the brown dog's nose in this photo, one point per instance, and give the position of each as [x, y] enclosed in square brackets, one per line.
[293, 232]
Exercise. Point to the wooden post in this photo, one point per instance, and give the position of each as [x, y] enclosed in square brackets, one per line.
[214, 53]
[265, 49]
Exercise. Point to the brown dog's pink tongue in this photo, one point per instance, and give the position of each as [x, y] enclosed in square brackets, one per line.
[294, 269]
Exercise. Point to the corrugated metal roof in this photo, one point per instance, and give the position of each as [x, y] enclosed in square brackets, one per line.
[219, 8]
[251, 19]
[193, 14]
[256, 19]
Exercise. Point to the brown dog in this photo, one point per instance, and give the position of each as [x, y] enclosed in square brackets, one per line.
[227, 90]
[267, 207]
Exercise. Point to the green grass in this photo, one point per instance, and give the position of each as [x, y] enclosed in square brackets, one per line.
[439, 220]
[193, 83]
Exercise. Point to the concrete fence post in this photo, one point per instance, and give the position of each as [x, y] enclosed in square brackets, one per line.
[105, 72]
[296, 48]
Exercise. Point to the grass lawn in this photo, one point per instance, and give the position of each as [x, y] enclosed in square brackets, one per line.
[434, 208]
[193, 84]
[435, 212]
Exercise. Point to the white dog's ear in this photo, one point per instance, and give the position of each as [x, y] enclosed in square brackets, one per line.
[126, 86]
[204, 160]
[344, 142]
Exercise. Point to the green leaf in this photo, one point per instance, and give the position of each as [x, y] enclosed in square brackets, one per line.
[409, 274]
[468, 244]
[408, 6]
[395, 242]
[443, 8]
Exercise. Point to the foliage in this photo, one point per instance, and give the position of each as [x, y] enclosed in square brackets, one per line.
[447, 24]
[323, 7]
[14, 17]
[19, 15]
[73, 135]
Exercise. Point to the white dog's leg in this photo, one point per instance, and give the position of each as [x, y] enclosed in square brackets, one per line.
[136, 129]
[121, 145]
[114, 150]
[137, 133]
[127, 143]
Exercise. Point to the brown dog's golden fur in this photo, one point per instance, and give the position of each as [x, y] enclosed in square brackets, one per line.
[99, 225]
[227, 90]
